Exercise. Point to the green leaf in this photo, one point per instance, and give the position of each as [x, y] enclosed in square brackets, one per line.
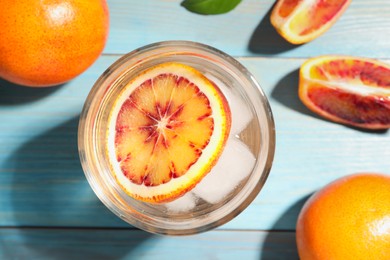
[210, 6]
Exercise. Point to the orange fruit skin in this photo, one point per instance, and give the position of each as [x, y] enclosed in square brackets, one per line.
[347, 219]
[46, 43]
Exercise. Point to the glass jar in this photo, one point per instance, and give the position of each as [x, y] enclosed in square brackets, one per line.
[234, 181]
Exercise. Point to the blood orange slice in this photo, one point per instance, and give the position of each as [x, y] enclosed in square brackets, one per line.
[349, 90]
[167, 129]
[300, 21]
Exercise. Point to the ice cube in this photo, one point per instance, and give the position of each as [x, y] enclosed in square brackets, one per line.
[241, 114]
[182, 204]
[234, 165]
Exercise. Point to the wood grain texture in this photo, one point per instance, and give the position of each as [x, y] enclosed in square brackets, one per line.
[43, 186]
[43, 183]
[246, 31]
[133, 244]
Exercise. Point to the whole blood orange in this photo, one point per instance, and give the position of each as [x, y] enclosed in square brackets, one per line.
[300, 21]
[347, 219]
[45, 43]
[348, 90]
[167, 129]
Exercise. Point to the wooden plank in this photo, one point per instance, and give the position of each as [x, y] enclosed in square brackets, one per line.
[363, 30]
[134, 244]
[42, 183]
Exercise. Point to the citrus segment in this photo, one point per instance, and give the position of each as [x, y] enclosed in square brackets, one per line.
[300, 21]
[347, 219]
[167, 129]
[349, 90]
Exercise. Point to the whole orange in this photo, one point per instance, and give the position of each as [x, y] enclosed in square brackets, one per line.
[49, 42]
[347, 219]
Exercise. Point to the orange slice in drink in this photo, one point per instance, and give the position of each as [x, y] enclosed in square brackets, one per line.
[348, 90]
[300, 21]
[167, 130]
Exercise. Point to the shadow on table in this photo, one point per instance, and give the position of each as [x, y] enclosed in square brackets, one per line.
[49, 190]
[266, 40]
[286, 93]
[283, 235]
[13, 94]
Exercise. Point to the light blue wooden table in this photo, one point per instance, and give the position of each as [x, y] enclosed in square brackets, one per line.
[47, 208]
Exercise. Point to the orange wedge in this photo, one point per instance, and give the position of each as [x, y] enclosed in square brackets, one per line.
[300, 21]
[167, 130]
[348, 90]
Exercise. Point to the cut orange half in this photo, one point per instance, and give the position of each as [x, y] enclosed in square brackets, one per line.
[300, 21]
[348, 90]
[167, 130]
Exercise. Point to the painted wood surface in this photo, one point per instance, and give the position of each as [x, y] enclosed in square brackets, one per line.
[43, 183]
[246, 31]
[134, 244]
[48, 210]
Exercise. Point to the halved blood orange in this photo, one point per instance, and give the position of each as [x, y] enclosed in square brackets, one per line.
[300, 21]
[348, 90]
[167, 129]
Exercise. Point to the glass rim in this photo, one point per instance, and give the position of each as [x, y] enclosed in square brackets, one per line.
[89, 158]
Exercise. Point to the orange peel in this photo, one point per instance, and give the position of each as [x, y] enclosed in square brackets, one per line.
[300, 21]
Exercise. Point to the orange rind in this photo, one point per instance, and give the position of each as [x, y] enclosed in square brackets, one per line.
[300, 21]
[47, 43]
[347, 219]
